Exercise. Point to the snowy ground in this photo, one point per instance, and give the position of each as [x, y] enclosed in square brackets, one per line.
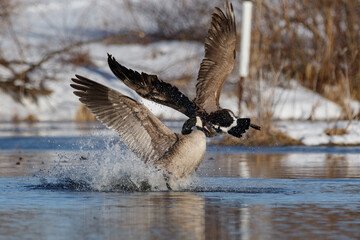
[313, 133]
[41, 22]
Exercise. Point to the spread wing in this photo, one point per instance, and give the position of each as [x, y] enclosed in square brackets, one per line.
[219, 59]
[152, 88]
[137, 127]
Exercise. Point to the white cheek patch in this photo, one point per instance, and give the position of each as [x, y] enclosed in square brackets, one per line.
[198, 122]
[226, 129]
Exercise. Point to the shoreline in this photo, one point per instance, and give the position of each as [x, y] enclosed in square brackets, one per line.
[279, 133]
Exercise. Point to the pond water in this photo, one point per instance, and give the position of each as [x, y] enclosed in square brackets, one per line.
[67, 181]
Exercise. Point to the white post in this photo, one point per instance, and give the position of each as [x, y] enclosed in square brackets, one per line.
[245, 38]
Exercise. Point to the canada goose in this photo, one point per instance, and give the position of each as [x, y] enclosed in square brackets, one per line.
[214, 69]
[143, 133]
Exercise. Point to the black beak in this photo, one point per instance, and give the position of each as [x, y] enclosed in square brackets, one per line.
[255, 127]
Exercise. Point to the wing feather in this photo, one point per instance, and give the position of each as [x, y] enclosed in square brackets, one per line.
[137, 127]
[219, 59]
[152, 88]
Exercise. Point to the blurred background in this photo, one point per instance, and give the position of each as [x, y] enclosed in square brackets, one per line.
[304, 63]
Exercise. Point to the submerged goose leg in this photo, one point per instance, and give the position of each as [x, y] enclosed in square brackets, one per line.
[167, 180]
[168, 186]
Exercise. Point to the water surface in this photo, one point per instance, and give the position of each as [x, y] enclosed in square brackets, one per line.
[59, 182]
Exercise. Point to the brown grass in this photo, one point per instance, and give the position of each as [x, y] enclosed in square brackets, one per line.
[177, 20]
[31, 118]
[7, 9]
[79, 58]
[315, 42]
[335, 131]
[83, 114]
[268, 136]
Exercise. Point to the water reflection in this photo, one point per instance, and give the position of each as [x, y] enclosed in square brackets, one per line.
[295, 165]
[155, 216]
[316, 195]
[177, 215]
[305, 221]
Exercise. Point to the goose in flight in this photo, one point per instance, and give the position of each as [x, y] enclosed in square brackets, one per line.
[214, 69]
[142, 132]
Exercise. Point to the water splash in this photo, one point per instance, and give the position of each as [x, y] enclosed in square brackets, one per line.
[104, 165]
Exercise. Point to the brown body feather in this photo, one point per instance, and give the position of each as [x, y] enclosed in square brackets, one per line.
[139, 129]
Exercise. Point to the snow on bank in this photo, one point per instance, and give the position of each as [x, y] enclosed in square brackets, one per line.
[170, 60]
[313, 133]
[297, 102]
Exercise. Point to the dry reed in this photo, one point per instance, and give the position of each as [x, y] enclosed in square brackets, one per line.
[314, 42]
[83, 114]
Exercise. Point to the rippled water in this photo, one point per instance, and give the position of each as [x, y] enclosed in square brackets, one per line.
[59, 182]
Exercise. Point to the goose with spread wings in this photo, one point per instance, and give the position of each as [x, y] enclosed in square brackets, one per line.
[142, 132]
[214, 69]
